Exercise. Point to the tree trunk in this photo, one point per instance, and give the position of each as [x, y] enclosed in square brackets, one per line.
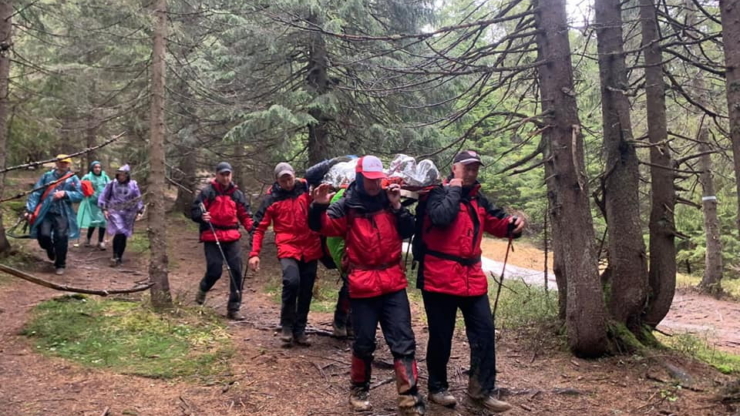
[662, 276]
[318, 80]
[730, 14]
[186, 179]
[567, 185]
[711, 283]
[158, 262]
[6, 11]
[91, 133]
[626, 246]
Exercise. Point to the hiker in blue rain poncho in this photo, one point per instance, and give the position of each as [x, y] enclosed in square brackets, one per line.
[50, 213]
[121, 202]
[89, 215]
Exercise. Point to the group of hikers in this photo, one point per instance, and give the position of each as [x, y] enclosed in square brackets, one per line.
[111, 206]
[362, 229]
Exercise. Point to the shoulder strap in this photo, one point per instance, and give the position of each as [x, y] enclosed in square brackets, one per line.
[56, 183]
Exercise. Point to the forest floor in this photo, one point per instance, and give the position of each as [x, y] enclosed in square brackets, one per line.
[537, 374]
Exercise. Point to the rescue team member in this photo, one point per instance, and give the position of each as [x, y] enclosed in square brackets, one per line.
[225, 208]
[50, 213]
[373, 224]
[450, 226]
[298, 248]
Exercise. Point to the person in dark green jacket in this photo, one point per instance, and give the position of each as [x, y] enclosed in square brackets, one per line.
[342, 317]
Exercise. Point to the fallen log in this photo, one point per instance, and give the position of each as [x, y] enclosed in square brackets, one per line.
[41, 282]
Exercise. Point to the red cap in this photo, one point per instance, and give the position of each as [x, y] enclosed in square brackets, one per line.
[370, 167]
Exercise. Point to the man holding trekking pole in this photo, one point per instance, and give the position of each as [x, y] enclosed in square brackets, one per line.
[219, 208]
[450, 223]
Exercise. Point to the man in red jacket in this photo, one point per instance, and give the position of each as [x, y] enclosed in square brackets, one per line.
[226, 208]
[450, 226]
[298, 249]
[373, 224]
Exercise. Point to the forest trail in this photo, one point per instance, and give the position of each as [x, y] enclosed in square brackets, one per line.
[540, 378]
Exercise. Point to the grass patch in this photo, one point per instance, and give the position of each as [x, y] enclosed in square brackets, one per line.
[521, 306]
[129, 338]
[729, 286]
[138, 243]
[700, 349]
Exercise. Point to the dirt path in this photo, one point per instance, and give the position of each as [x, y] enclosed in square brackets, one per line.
[266, 379]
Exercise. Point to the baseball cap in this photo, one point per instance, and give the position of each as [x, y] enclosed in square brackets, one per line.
[467, 157]
[223, 167]
[370, 167]
[284, 168]
[64, 158]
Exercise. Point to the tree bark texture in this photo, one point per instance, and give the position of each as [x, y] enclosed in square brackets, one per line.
[318, 81]
[711, 282]
[662, 275]
[567, 186]
[6, 27]
[730, 15]
[158, 262]
[626, 247]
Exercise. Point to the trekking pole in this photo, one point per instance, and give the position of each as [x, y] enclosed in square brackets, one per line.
[223, 256]
[510, 234]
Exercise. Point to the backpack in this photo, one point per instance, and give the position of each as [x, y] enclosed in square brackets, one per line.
[88, 189]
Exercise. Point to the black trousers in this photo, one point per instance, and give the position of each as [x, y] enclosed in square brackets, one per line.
[298, 281]
[214, 269]
[101, 233]
[53, 237]
[393, 313]
[119, 245]
[441, 312]
[342, 316]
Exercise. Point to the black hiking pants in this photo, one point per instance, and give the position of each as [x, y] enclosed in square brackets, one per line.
[342, 316]
[441, 312]
[53, 237]
[119, 246]
[298, 281]
[101, 233]
[214, 269]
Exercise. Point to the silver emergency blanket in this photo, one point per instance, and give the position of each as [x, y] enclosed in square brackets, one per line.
[412, 174]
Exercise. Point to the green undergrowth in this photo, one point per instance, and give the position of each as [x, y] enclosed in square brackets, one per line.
[700, 349]
[129, 338]
[523, 306]
[729, 286]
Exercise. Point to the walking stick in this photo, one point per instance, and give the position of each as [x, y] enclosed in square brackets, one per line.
[510, 235]
[223, 256]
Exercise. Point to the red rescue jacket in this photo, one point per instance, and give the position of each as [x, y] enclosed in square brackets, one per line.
[287, 211]
[228, 208]
[372, 256]
[449, 226]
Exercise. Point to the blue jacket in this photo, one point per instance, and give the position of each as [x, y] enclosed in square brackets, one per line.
[73, 191]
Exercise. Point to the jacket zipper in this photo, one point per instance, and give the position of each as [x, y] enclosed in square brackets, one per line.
[476, 229]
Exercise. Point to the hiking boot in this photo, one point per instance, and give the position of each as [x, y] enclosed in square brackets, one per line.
[101, 246]
[87, 243]
[234, 315]
[115, 262]
[358, 399]
[410, 405]
[339, 331]
[302, 339]
[494, 405]
[443, 398]
[59, 271]
[286, 335]
[200, 297]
